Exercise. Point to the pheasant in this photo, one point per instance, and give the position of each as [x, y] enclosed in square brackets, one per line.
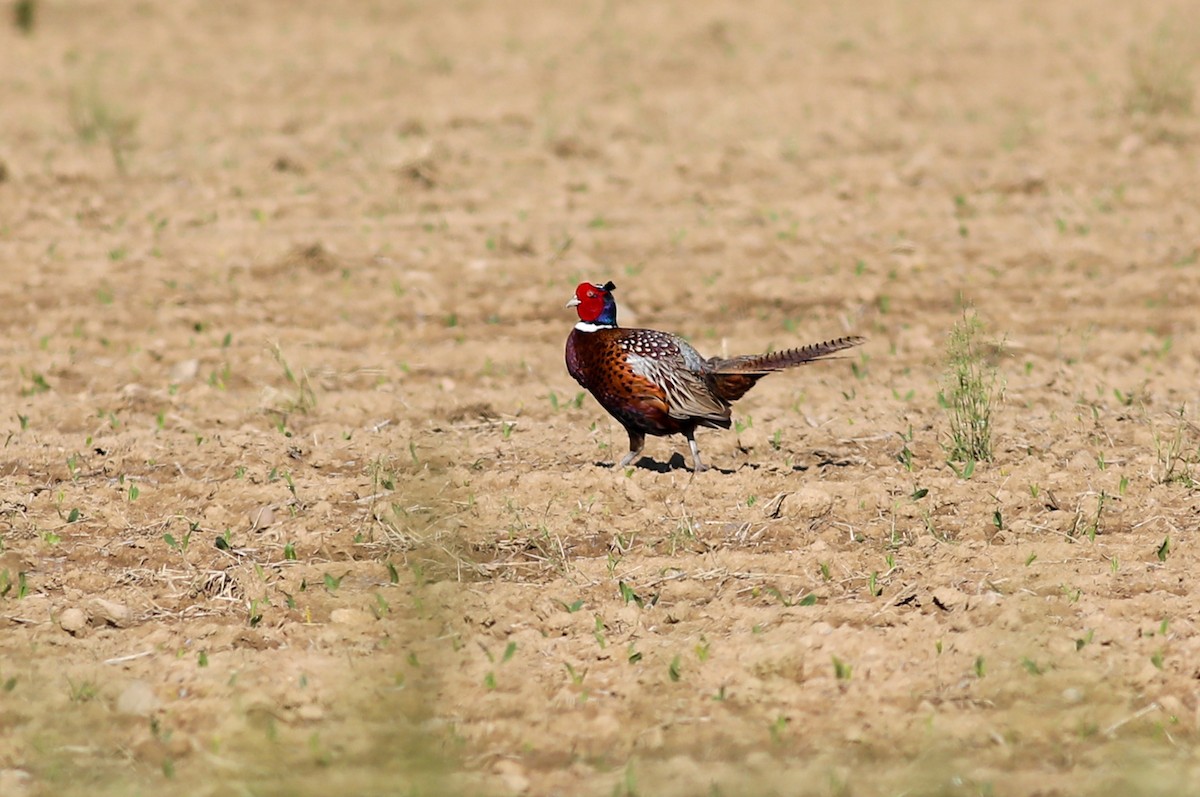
[655, 383]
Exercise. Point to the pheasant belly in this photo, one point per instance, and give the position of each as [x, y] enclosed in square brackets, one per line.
[637, 403]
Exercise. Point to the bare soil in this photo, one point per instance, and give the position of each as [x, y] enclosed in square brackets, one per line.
[297, 497]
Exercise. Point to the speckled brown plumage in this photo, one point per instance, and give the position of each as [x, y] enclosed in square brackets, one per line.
[656, 383]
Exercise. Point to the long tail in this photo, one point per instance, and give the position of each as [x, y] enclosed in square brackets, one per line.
[763, 364]
[731, 378]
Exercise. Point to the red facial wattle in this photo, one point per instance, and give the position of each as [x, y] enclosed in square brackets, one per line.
[595, 304]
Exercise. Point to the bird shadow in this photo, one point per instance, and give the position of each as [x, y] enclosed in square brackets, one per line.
[676, 462]
[645, 463]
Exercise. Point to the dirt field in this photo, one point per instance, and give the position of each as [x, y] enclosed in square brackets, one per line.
[297, 497]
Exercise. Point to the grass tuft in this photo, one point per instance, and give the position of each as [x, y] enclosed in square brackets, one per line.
[96, 118]
[1160, 73]
[969, 389]
[305, 399]
[25, 15]
[1175, 452]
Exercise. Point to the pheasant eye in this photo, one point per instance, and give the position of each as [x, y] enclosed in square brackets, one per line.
[591, 294]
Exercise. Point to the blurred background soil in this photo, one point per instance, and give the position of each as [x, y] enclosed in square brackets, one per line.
[297, 497]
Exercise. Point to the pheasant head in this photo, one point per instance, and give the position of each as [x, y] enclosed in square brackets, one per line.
[596, 306]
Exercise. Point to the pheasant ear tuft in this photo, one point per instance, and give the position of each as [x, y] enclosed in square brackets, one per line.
[610, 286]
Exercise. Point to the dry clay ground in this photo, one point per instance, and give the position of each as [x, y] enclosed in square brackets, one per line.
[298, 498]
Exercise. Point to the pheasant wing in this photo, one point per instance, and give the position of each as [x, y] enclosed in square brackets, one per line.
[686, 393]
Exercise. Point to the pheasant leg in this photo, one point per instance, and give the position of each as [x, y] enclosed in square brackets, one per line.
[697, 465]
[637, 441]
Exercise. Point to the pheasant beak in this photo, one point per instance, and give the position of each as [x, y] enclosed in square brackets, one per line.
[574, 302]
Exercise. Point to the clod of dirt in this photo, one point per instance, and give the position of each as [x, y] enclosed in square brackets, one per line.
[349, 617]
[513, 776]
[287, 164]
[73, 621]
[806, 502]
[157, 751]
[632, 491]
[249, 638]
[314, 257]
[948, 599]
[261, 518]
[411, 127]
[573, 147]
[479, 411]
[422, 171]
[15, 782]
[138, 700]
[110, 612]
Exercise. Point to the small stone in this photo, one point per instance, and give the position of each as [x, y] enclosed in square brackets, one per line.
[310, 712]
[110, 612]
[1130, 144]
[347, 617]
[72, 620]
[1072, 695]
[261, 518]
[138, 700]
[184, 371]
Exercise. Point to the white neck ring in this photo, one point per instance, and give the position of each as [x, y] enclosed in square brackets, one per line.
[584, 326]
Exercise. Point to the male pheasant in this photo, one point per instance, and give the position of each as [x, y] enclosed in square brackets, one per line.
[655, 382]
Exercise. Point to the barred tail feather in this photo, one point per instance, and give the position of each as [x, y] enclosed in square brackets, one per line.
[763, 364]
[730, 379]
